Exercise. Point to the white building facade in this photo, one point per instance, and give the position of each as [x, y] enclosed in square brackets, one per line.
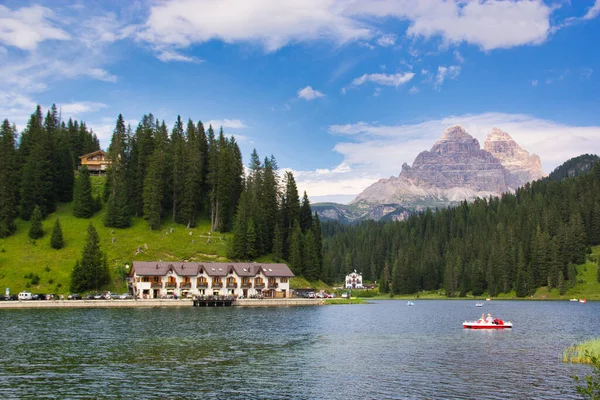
[151, 279]
[354, 281]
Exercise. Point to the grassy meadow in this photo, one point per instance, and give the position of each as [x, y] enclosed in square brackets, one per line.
[20, 256]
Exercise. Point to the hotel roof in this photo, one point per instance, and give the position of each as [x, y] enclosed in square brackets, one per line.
[161, 268]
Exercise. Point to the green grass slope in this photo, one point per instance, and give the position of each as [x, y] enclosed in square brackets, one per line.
[21, 256]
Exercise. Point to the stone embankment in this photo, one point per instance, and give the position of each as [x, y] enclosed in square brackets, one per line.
[150, 303]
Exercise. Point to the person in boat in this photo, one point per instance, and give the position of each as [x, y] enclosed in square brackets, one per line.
[482, 319]
[489, 319]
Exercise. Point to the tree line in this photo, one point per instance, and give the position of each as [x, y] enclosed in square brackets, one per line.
[519, 241]
[36, 168]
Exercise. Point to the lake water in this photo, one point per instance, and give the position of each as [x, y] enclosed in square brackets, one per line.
[382, 350]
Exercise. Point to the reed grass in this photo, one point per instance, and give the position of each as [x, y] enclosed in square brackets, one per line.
[580, 353]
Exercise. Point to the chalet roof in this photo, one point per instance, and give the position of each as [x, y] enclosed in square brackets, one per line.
[93, 153]
[161, 268]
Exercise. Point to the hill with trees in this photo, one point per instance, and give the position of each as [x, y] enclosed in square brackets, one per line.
[574, 167]
[178, 180]
[520, 241]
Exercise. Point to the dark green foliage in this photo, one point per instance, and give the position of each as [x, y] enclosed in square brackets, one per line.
[278, 246]
[35, 229]
[154, 188]
[84, 205]
[91, 271]
[118, 212]
[295, 251]
[598, 270]
[520, 242]
[56, 240]
[574, 167]
[590, 388]
[305, 217]
[9, 178]
[312, 267]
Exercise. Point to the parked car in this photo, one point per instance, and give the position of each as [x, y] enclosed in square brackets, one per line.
[74, 296]
[11, 297]
[345, 295]
[125, 296]
[99, 296]
[38, 296]
[25, 296]
[51, 296]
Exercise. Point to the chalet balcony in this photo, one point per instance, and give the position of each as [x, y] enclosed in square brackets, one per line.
[156, 285]
[217, 284]
[186, 285]
[259, 285]
[273, 285]
[202, 284]
[232, 285]
[246, 285]
[171, 285]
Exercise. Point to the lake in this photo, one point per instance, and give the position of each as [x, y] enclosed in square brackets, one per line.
[384, 349]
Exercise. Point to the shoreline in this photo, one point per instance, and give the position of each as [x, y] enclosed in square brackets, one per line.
[149, 303]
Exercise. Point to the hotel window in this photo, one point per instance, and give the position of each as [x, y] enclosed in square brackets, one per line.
[283, 280]
[156, 279]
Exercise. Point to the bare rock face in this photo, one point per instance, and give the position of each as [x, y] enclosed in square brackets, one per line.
[456, 169]
[520, 165]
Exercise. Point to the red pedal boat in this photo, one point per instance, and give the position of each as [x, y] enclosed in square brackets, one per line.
[496, 324]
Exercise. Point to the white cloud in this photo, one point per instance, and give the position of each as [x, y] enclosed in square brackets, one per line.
[444, 73]
[374, 151]
[272, 24]
[26, 27]
[376, 92]
[593, 11]
[387, 40]
[308, 93]
[534, 82]
[227, 123]
[413, 90]
[586, 73]
[488, 24]
[73, 109]
[171, 55]
[459, 58]
[384, 79]
[101, 75]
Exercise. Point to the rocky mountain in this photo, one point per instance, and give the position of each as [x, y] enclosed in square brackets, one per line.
[456, 168]
[574, 167]
[348, 214]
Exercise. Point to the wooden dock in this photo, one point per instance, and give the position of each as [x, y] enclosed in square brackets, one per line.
[213, 301]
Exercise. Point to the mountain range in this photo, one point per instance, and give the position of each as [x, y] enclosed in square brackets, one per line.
[456, 168]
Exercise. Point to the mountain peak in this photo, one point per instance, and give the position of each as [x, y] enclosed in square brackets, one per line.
[498, 135]
[455, 132]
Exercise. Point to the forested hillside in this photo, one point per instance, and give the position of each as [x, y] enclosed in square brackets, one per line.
[520, 242]
[186, 176]
[573, 167]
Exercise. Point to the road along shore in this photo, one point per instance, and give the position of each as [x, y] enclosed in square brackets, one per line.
[23, 304]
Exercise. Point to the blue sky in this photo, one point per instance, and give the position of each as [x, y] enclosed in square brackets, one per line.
[342, 92]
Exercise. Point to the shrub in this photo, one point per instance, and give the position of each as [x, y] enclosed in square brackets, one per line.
[590, 387]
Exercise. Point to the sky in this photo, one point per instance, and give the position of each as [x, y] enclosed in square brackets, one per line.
[341, 92]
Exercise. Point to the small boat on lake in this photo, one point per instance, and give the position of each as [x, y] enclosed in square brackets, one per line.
[478, 304]
[575, 300]
[582, 300]
[410, 303]
[496, 324]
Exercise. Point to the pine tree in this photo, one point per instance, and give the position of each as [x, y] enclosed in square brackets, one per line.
[154, 189]
[316, 228]
[91, 272]
[278, 244]
[84, 204]
[305, 216]
[56, 241]
[251, 241]
[178, 151]
[117, 210]
[295, 258]
[194, 175]
[35, 230]
[8, 180]
[312, 269]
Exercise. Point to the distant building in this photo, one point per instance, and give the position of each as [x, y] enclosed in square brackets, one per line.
[96, 162]
[152, 279]
[354, 281]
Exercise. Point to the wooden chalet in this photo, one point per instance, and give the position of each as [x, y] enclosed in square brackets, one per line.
[96, 162]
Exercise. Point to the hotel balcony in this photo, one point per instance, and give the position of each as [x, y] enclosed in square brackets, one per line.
[273, 285]
[232, 285]
[246, 285]
[186, 285]
[217, 284]
[202, 285]
[171, 285]
[259, 285]
[156, 285]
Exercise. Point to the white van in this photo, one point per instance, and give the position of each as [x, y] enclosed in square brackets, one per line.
[25, 296]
